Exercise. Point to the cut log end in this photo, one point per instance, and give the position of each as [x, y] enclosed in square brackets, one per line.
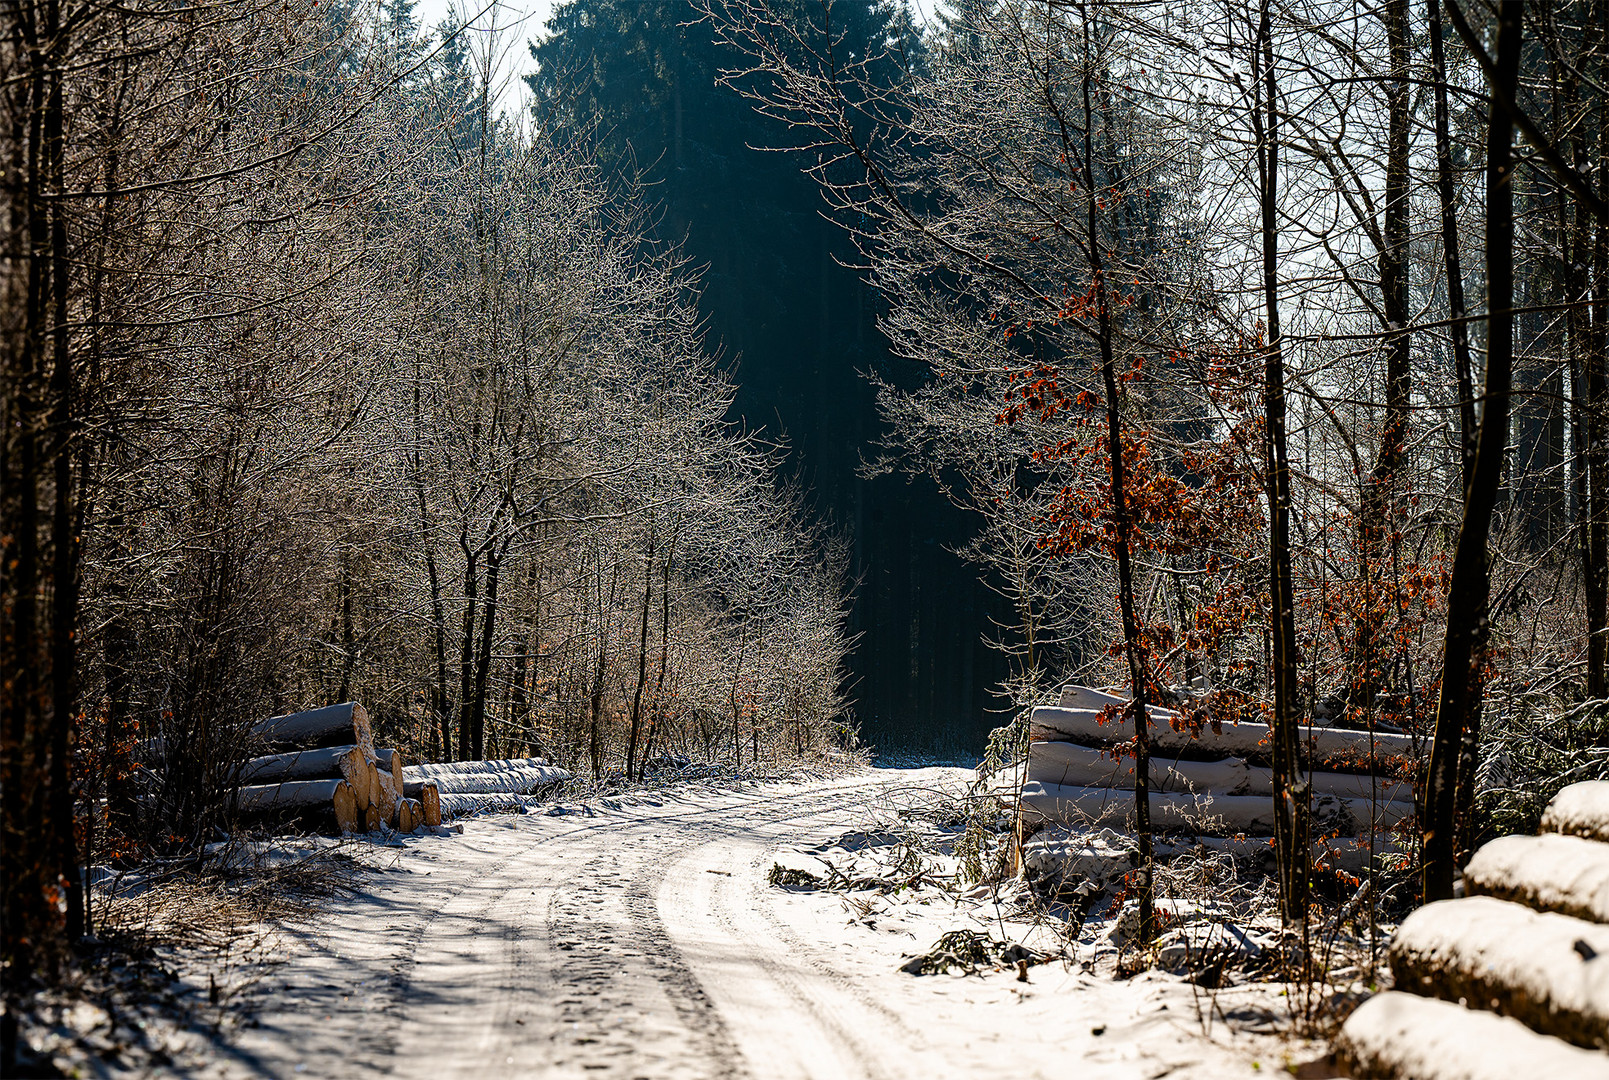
[410, 815]
[394, 765]
[355, 771]
[348, 818]
[387, 792]
[428, 793]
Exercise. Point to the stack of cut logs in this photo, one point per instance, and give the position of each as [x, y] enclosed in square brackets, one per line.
[472, 787]
[1213, 783]
[325, 771]
[1512, 980]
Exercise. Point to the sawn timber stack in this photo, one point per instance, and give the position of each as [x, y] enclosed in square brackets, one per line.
[327, 773]
[333, 745]
[1207, 778]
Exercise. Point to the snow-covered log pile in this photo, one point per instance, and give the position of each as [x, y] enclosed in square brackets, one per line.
[1566, 874]
[327, 773]
[1529, 943]
[1580, 810]
[1403, 1035]
[469, 787]
[1207, 779]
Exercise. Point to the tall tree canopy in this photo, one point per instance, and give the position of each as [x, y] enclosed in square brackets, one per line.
[637, 84]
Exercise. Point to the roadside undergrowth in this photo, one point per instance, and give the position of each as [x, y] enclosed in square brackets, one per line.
[130, 1002]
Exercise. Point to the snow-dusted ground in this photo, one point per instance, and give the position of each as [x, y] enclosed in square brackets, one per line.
[639, 938]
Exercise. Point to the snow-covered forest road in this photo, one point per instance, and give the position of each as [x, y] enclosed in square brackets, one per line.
[641, 940]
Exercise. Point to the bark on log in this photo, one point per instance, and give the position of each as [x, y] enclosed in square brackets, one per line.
[333, 725]
[1074, 696]
[1397, 1036]
[1069, 763]
[1580, 810]
[461, 804]
[429, 796]
[328, 763]
[1349, 853]
[1327, 745]
[390, 782]
[1065, 763]
[1565, 874]
[1551, 972]
[518, 781]
[458, 768]
[313, 800]
[1197, 814]
[1363, 786]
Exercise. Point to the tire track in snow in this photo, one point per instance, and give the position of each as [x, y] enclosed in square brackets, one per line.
[533, 948]
[761, 969]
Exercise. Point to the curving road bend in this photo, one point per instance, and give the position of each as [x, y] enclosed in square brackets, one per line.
[641, 940]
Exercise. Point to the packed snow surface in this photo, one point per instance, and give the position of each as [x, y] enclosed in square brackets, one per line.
[638, 937]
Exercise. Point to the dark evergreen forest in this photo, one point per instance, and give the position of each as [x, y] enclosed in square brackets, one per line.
[637, 79]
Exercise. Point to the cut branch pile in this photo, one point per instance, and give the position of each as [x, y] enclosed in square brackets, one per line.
[327, 774]
[1207, 779]
[1530, 943]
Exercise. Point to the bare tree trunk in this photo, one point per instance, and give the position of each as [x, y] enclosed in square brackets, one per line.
[642, 657]
[483, 662]
[66, 518]
[1595, 553]
[1122, 525]
[1447, 199]
[1290, 791]
[754, 723]
[1468, 624]
[519, 697]
[117, 653]
[664, 645]
[38, 581]
[1379, 504]
[441, 733]
[466, 678]
[117, 650]
[595, 699]
[348, 636]
[1463, 365]
[440, 710]
[737, 674]
[1576, 235]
